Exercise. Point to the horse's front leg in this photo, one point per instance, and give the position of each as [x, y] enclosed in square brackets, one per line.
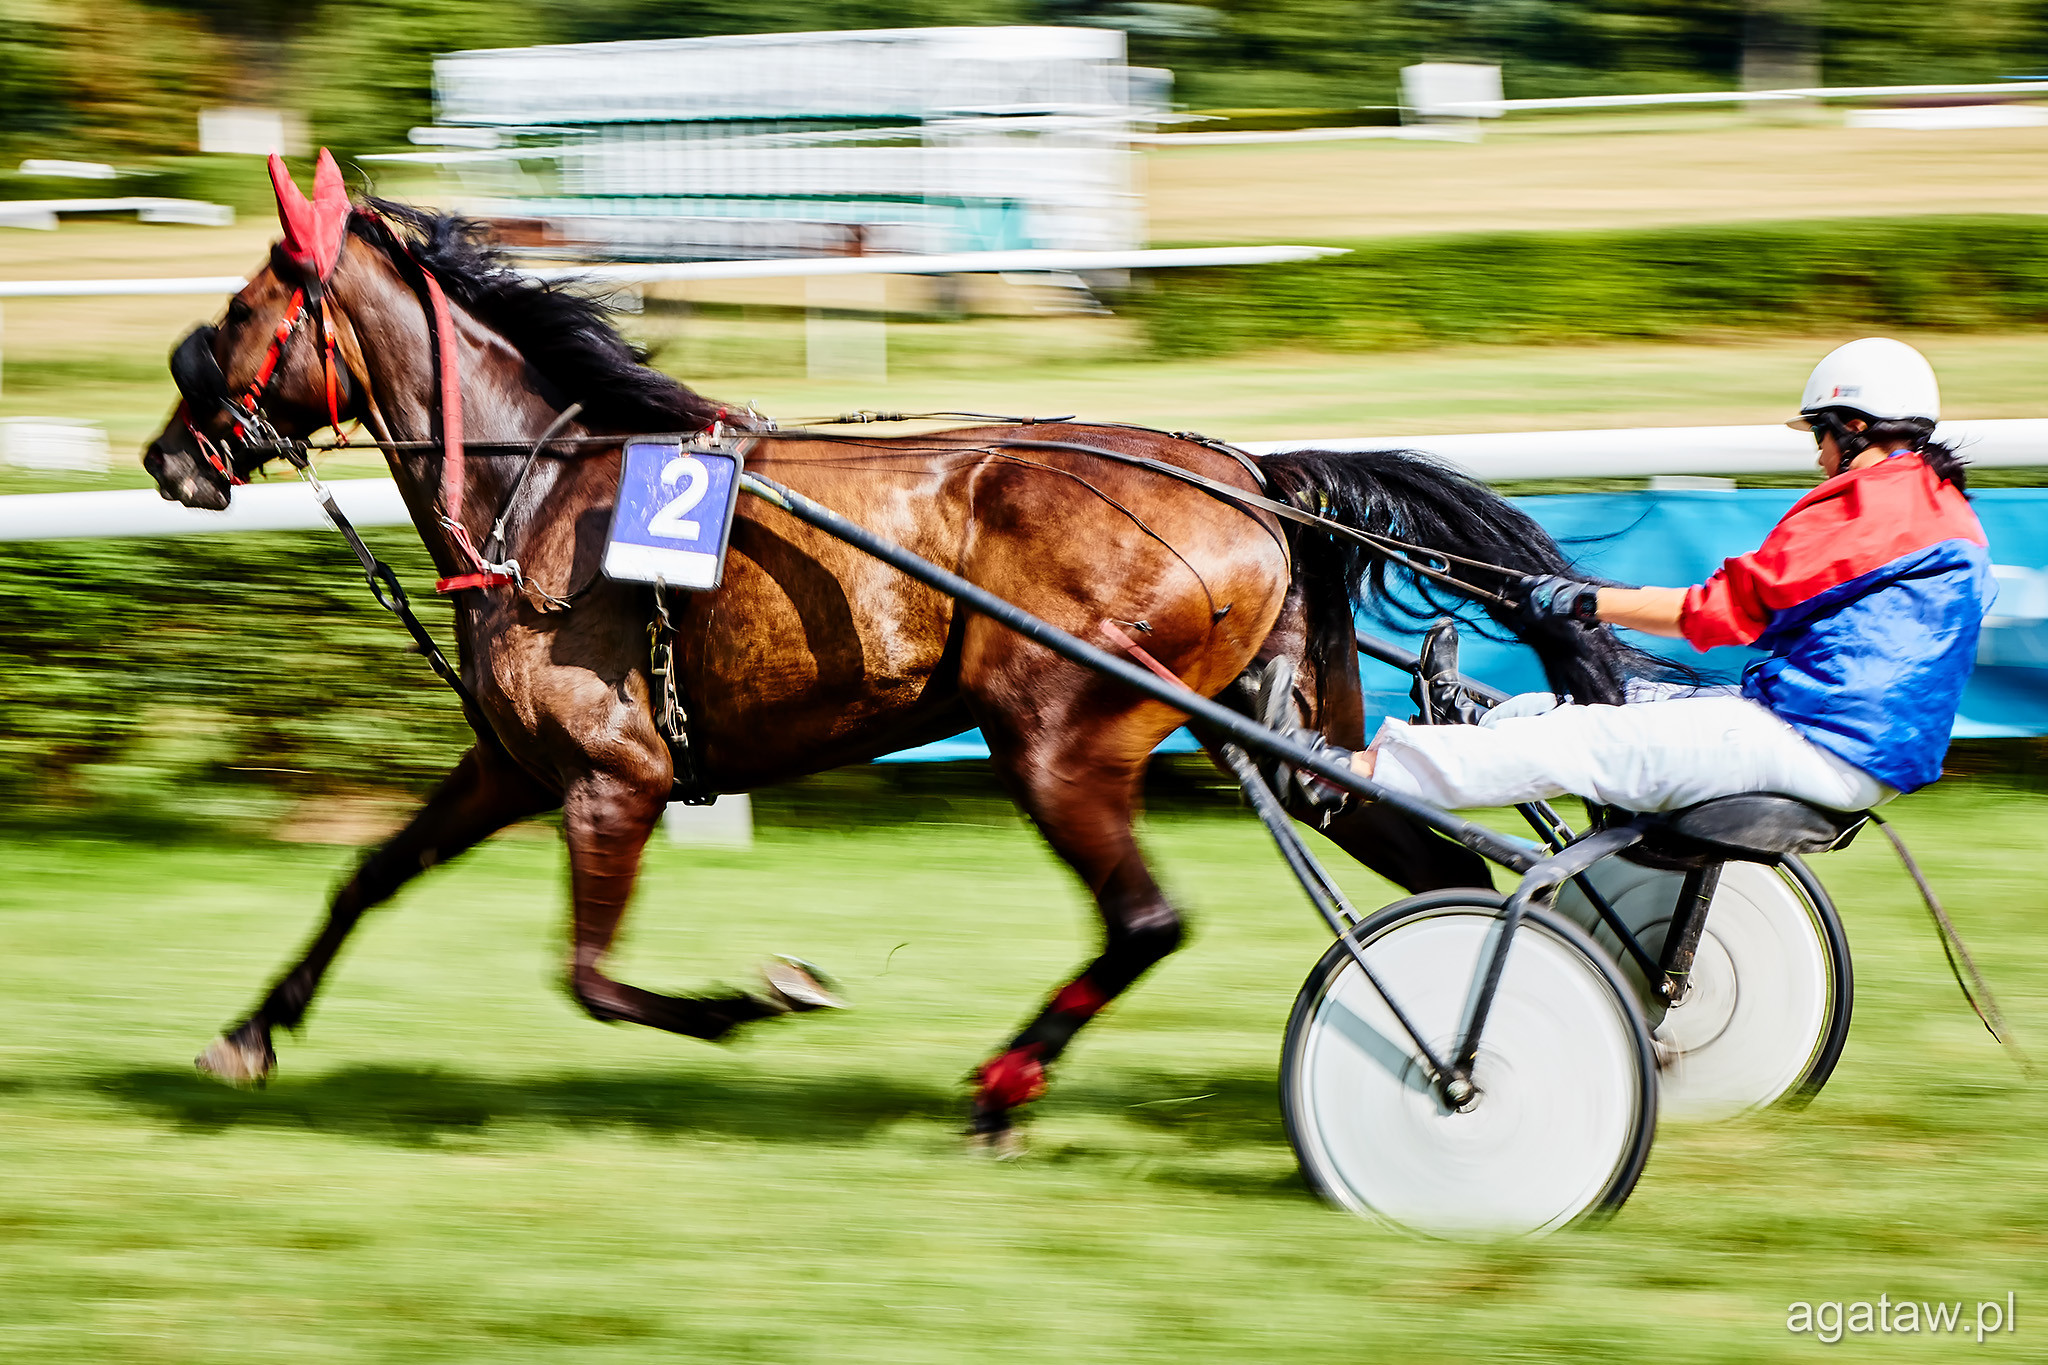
[607, 818]
[486, 792]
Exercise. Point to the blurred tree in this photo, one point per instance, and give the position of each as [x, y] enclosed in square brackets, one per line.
[1931, 40]
[32, 103]
[106, 77]
[364, 69]
[117, 77]
[615, 20]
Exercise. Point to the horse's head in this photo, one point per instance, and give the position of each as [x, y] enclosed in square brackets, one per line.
[265, 374]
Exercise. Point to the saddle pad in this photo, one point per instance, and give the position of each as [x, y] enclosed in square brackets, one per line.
[673, 515]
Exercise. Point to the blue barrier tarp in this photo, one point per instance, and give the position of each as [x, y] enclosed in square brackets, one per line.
[1674, 538]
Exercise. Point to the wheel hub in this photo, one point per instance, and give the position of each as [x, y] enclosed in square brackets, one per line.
[1702, 1010]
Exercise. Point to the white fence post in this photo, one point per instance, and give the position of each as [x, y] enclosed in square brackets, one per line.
[727, 822]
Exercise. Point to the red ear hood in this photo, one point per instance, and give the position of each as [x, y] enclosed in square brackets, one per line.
[312, 231]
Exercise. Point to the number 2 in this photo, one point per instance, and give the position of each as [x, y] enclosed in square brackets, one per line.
[669, 522]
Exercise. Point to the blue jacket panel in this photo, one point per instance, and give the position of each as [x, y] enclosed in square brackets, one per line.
[1872, 670]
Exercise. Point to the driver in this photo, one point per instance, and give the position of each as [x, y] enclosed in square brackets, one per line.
[1866, 599]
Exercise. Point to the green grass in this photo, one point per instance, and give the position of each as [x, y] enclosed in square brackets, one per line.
[454, 1164]
[1873, 275]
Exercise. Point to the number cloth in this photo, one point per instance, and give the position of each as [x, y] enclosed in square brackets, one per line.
[1868, 597]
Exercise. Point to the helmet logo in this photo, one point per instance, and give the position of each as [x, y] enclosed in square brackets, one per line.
[1847, 391]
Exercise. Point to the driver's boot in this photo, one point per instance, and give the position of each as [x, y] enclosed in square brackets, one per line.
[1439, 690]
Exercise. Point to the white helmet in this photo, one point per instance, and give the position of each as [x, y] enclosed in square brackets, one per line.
[1885, 380]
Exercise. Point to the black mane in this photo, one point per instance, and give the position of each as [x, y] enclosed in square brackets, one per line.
[566, 336]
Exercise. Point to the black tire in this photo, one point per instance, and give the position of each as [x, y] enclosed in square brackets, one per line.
[1835, 941]
[1604, 1013]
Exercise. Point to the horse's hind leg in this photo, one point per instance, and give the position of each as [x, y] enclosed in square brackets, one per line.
[1078, 776]
[607, 819]
[486, 792]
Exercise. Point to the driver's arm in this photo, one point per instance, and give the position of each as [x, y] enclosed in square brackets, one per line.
[1653, 611]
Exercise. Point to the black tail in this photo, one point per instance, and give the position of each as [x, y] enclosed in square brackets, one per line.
[1408, 495]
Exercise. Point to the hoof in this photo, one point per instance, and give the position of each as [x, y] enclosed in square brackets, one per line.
[1002, 1144]
[800, 987]
[992, 1134]
[237, 1060]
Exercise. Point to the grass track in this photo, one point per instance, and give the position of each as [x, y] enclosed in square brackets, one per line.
[454, 1164]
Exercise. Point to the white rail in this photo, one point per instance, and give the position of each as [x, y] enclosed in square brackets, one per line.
[1462, 109]
[1493, 456]
[279, 506]
[88, 289]
[1414, 132]
[1813, 92]
[1644, 451]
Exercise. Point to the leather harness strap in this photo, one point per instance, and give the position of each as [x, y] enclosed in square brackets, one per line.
[1397, 551]
[449, 356]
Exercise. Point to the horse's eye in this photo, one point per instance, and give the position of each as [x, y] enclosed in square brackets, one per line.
[238, 312]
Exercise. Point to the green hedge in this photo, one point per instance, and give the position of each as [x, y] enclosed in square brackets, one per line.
[1600, 286]
[202, 678]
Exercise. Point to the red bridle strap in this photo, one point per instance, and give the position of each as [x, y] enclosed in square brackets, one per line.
[482, 579]
[214, 455]
[329, 372]
[294, 314]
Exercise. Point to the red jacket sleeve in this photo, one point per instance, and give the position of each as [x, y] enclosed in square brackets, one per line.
[1737, 603]
[1726, 609]
[1852, 524]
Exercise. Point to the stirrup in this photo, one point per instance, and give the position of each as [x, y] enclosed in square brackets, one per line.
[1323, 800]
[1270, 692]
[1439, 689]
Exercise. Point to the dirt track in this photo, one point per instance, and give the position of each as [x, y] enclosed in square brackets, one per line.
[1554, 176]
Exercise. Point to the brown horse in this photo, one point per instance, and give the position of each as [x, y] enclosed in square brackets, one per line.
[810, 655]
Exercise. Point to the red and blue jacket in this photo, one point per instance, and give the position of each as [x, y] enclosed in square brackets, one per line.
[1867, 597]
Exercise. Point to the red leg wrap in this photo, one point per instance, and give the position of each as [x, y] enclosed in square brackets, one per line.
[1080, 996]
[1017, 1077]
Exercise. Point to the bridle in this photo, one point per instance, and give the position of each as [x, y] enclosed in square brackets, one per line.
[203, 386]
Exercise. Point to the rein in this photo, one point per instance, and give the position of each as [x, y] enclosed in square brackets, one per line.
[1405, 554]
[1394, 551]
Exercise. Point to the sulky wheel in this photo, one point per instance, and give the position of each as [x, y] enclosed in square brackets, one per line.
[1767, 1011]
[1567, 1099]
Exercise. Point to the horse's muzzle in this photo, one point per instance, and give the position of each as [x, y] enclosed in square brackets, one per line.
[181, 476]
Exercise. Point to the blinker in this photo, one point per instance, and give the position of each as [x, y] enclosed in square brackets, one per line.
[197, 373]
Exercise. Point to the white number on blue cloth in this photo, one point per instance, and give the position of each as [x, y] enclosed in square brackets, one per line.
[673, 515]
[669, 520]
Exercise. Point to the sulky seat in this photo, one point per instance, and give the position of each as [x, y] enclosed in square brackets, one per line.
[1760, 827]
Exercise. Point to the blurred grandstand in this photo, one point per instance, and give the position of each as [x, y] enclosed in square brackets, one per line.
[772, 145]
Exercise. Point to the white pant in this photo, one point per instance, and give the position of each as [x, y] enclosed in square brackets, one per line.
[1651, 756]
